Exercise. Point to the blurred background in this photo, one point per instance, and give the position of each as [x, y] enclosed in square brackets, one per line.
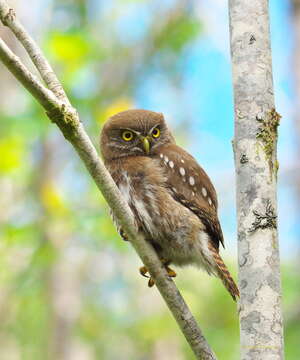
[70, 287]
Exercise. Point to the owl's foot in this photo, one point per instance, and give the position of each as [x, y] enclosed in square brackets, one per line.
[123, 235]
[151, 282]
[143, 271]
[170, 271]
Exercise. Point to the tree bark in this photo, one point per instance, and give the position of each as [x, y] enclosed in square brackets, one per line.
[255, 142]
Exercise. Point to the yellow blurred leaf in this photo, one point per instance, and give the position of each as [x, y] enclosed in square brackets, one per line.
[11, 151]
[52, 200]
[69, 48]
[120, 104]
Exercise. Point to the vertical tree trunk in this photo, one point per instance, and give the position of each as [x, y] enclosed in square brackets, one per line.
[256, 123]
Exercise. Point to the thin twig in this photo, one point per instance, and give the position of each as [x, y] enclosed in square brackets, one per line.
[68, 121]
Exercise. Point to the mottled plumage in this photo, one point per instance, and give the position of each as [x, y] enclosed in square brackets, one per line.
[172, 198]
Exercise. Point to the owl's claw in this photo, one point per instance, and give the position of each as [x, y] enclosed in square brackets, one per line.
[143, 271]
[170, 272]
[151, 282]
[123, 235]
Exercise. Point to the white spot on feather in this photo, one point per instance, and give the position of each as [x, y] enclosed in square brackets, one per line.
[192, 181]
[209, 201]
[182, 161]
[161, 156]
[166, 159]
[171, 164]
[204, 192]
[182, 171]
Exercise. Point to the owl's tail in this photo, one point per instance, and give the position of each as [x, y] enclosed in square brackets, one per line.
[224, 274]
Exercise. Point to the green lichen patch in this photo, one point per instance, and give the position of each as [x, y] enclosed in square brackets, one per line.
[66, 119]
[267, 133]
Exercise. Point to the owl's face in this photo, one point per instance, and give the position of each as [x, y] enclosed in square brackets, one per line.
[133, 133]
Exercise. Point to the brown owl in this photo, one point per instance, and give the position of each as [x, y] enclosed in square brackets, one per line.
[173, 200]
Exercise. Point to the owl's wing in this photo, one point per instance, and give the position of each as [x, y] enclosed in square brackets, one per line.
[190, 185]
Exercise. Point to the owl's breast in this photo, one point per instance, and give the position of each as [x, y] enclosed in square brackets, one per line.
[172, 228]
[142, 197]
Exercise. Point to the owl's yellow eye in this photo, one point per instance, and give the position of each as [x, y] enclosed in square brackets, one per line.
[155, 132]
[127, 135]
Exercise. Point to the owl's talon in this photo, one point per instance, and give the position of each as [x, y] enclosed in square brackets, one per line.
[123, 235]
[143, 271]
[151, 282]
[171, 272]
[165, 262]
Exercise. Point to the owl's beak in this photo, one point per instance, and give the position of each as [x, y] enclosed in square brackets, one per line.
[146, 145]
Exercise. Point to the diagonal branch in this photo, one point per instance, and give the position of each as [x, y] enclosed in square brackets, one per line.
[59, 111]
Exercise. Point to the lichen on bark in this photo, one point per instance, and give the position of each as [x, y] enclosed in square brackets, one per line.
[268, 219]
[66, 118]
[267, 133]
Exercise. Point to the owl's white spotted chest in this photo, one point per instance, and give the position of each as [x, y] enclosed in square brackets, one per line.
[176, 233]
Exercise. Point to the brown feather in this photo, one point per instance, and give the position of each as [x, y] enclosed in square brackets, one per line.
[224, 274]
[192, 196]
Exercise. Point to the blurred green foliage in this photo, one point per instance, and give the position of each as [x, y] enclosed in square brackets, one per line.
[70, 288]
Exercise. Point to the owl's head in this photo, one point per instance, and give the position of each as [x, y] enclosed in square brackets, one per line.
[133, 133]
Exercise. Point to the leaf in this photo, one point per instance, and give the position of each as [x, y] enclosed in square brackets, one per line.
[70, 48]
[120, 104]
[52, 200]
[11, 153]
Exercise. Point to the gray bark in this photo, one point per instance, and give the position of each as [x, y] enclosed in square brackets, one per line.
[255, 141]
[66, 118]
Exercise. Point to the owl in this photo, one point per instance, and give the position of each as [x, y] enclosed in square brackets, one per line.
[172, 199]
